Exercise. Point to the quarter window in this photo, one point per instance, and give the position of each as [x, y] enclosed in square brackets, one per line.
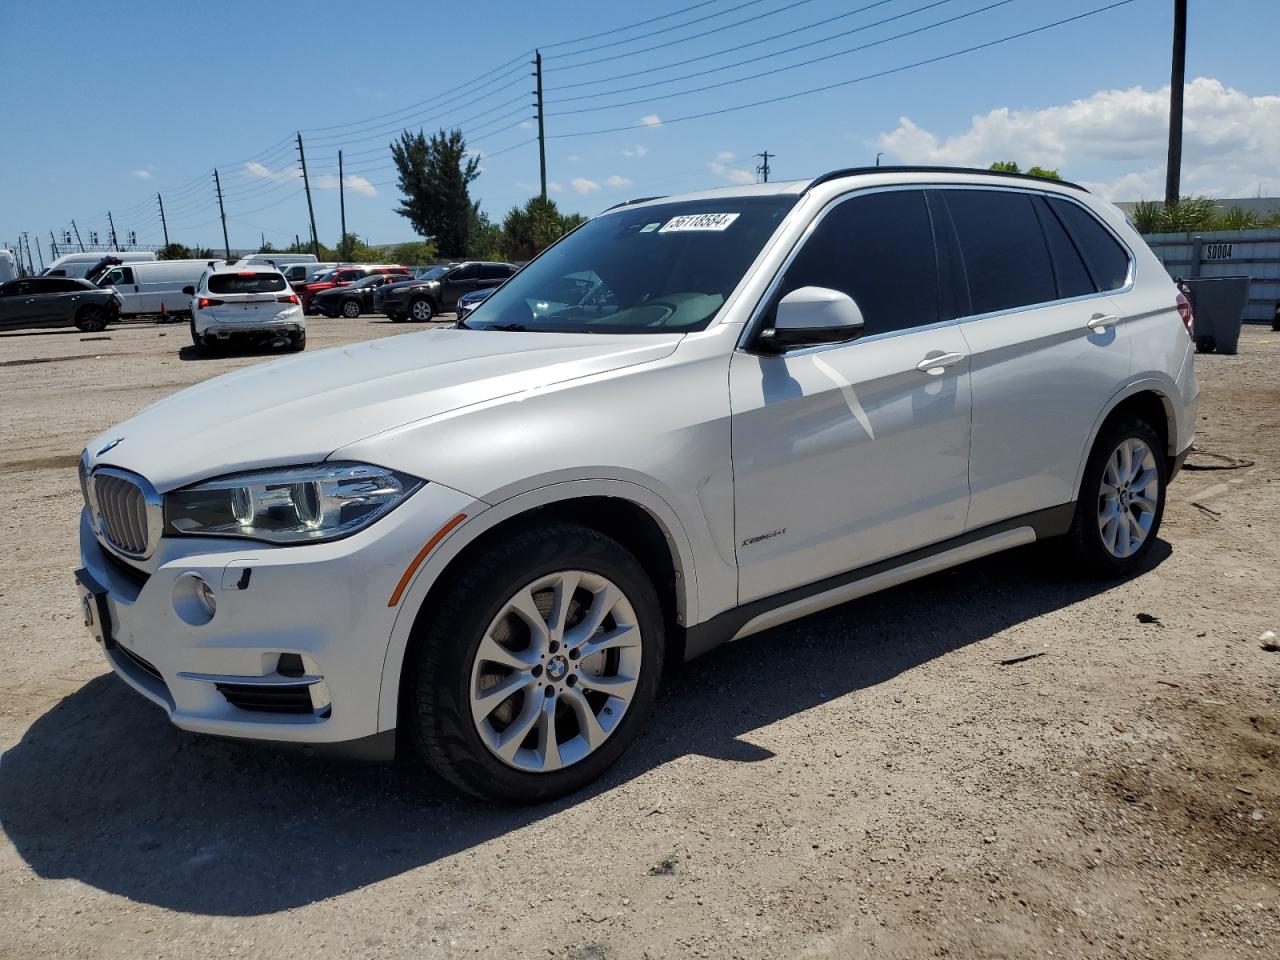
[878, 249]
[1073, 277]
[1004, 252]
[1107, 260]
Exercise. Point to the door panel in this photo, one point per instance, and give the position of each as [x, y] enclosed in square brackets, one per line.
[1040, 380]
[846, 455]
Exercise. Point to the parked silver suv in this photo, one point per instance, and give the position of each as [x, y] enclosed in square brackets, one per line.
[690, 420]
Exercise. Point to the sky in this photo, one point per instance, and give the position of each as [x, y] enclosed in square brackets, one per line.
[102, 112]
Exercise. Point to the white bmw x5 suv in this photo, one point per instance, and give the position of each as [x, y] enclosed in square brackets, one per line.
[759, 402]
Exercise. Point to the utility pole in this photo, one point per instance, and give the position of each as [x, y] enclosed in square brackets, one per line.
[878, 156]
[40, 254]
[542, 132]
[226, 244]
[53, 245]
[763, 168]
[163, 224]
[78, 240]
[315, 240]
[297, 244]
[342, 206]
[114, 244]
[23, 241]
[1177, 80]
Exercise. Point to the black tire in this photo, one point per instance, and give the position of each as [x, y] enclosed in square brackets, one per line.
[298, 342]
[422, 310]
[195, 337]
[1088, 553]
[351, 309]
[447, 637]
[396, 317]
[92, 319]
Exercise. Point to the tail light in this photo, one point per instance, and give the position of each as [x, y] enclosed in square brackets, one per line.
[1188, 318]
[206, 302]
[291, 298]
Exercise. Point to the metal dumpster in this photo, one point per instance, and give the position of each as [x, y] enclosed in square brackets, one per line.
[1218, 304]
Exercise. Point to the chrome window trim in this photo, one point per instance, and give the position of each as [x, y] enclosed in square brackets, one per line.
[757, 314]
[151, 499]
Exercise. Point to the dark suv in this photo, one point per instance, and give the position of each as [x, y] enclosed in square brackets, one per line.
[57, 302]
[437, 290]
[341, 277]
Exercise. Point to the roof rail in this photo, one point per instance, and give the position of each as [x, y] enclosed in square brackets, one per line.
[974, 171]
[628, 203]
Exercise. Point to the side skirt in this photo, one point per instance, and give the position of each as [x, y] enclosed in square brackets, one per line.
[767, 612]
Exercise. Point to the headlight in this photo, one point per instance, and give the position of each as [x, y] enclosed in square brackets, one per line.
[321, 501]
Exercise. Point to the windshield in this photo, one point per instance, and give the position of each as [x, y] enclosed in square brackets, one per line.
[246, 281]
[375, 280]
[432, 273]
[650, 269]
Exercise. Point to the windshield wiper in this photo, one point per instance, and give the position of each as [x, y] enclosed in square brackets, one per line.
[507, 327]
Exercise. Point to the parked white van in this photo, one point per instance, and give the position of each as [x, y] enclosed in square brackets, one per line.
[8, 266]
[302, 272]
[279, 260]
[151, 288]
[79, 264]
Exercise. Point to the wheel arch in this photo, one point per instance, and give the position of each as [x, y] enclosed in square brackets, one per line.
[1150, 399]
[636, 517]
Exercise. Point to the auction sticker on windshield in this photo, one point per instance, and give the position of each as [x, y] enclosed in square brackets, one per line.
[699, 221]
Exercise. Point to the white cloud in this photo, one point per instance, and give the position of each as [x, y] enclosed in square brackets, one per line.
[652, 120]
[634, 151]
[574, 158]
[526, 124]
[526, 187]
[730, 174]
[351, 181]
[142, 174]
[617, 181]
[555, 187]
[1115, 141]
[584, 186]
[255, 169]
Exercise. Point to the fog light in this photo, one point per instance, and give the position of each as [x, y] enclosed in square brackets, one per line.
[194, 600]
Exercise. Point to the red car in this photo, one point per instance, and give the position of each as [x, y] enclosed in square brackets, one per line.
[341, 277]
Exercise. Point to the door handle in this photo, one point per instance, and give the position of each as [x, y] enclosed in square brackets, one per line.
[935, 365]
[1099, 322]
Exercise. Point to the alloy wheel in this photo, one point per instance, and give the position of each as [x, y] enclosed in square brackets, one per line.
[351, 309]
[1128, 498]
[555, 671]
[420, 310]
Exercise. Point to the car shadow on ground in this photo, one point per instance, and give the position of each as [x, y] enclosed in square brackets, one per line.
[103, 790]
[192, 352]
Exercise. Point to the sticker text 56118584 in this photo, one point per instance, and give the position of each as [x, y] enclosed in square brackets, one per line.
[699, 221]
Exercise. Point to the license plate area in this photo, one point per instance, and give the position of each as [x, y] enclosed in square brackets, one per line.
[93, 608]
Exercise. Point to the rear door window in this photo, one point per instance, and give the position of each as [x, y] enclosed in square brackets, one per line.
[247, 282]
[1068, 265]
[1106, 259]
[879, 249]
[494, 271]
[469, 272]
[1005, 256]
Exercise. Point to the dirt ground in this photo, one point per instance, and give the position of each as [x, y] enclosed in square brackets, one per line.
[871, 782]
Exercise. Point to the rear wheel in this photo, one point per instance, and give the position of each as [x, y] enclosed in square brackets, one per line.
[298, 341]
[537, 665]
[1121, 500]
[91, 319]
[421, 310]
[351, 309]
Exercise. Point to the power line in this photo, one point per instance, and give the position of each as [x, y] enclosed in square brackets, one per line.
[845, 83]
[630, 26]
[795, 66]
[678, 26]
[755, 59]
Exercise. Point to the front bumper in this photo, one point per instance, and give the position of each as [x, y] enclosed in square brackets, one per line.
[328, 603]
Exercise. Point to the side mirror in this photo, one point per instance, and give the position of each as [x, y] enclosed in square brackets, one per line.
[809, 316]
[189, 291]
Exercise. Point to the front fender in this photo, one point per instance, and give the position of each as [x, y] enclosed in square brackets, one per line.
[482, 517]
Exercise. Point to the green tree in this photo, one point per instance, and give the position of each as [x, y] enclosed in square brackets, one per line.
[415, 254]
[267, 247]
[484, 237]
[176, 251]
[435, 175]
[1011, 166]
[528, 230]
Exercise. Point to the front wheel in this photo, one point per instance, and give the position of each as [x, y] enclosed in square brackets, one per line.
[92, 319]
[536, 665]
[421, 310]
[1121, 500]
[351, 309]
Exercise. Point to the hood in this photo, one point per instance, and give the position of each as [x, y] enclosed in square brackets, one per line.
[301, 409]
